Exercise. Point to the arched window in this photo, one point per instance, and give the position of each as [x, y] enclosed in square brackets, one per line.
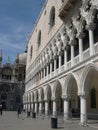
[52, 17]
[93, 98]
[39, 38]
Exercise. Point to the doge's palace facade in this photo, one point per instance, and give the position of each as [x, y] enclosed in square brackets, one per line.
[62, 60]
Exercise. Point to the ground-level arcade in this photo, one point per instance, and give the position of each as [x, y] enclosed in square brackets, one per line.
[74, 94]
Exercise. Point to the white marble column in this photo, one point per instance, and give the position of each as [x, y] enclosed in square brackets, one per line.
[32, 105]
[83, 110]
[29, 107]
[66, 108]
[91, 37]
[23, 106]
[54, 64]
[35, 107]
[26, 107]
[80, 47]
[91, 40]
[46, 108]
[65, 58]
[41, 73]
[40, 108]
[54, 108]
[72, 55]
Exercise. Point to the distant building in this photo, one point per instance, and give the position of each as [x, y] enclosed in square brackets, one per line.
[62, 60]
[12, 78]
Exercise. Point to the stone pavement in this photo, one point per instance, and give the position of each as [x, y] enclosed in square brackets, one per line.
[9, 121]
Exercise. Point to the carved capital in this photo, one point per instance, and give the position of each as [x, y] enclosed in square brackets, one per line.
[80, 35]
[94, 3]
[83, 94]
[55, 57]
[53, 99]
[60, 45]
[71, 31]
[88, 12]
[66, 97]
[66, 47]
[55, 50]
[51, 54]
[91, 26]
[51, 61]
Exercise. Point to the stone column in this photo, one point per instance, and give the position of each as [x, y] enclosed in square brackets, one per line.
[54, 107]
[26, 107]
[32, 105]
[40, 108]
[35, 107]
[80, 48]
[41, 73]
[46, 108]
[72, 55]
[50, 66]
[83, 110]
[66, 107]
[65, 58]
[29, 107]
[91, 37]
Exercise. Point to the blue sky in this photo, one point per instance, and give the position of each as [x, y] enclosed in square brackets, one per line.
[17, 18]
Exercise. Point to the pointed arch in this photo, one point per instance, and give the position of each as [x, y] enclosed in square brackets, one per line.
[41, 94]
[36, 95]
[57, 89]
[47, 94]
[67, 84]
[86, 73]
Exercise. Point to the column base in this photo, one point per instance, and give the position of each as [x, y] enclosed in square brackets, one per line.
[84, 124]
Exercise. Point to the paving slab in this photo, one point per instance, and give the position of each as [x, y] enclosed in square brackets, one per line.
[10, 121]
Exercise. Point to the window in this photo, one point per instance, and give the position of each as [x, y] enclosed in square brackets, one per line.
[52, 17]
[39, 38]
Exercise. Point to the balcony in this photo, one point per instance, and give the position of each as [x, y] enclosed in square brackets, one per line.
[66, 6]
